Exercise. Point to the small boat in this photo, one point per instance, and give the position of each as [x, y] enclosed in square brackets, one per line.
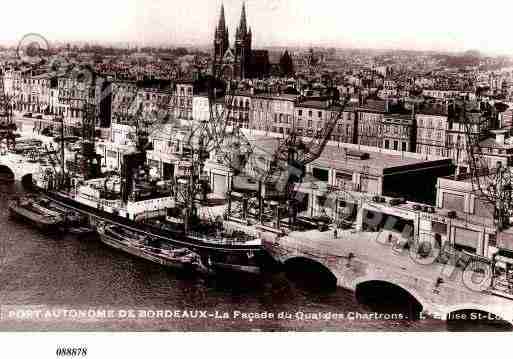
[151, 248]
[26, 209]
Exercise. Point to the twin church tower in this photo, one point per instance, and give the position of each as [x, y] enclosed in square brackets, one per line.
[241, 61]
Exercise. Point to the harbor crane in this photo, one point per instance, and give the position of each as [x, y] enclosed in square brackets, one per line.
[490, 181]
[492, 186]
[286, 168]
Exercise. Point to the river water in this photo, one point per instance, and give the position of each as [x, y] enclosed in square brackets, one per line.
[68, 277]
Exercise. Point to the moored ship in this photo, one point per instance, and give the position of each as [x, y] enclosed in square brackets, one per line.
[151, 248]
[227, 249]
[28, 210]
[125, 192]
[130, 199]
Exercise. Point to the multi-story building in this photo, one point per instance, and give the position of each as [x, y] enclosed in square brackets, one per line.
[370, 122]
[432, 127]
[466, 127]
[346, 128]
[201, 108]
[272, 112]
[311, 116]
[497, 148]
[262, 118]
[399, 132]
[181, 100]
[13, 78]
[75, 94]
[124, 98]
[155, 100]
[32, 91]
[239, 110]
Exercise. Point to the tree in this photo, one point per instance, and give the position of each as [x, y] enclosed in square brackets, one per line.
[286, 64]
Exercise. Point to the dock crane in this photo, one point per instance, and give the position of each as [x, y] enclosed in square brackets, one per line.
[297, 152]
[492, 184]
[286, 168]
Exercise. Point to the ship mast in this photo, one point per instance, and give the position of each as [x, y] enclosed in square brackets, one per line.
[82, 100]
[205, 136]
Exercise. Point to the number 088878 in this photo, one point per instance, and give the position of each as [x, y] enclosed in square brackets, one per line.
[71, 352]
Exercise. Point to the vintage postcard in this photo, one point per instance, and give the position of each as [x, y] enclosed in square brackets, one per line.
[242, 166]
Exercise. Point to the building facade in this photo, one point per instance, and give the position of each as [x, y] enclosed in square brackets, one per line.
[399, 132]
[370, 123]
[431, 136]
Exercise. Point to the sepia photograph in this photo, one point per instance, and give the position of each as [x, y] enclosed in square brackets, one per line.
[255, 166]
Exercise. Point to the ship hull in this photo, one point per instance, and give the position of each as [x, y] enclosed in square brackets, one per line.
[237, 258]
[39, 222]
[137, 252]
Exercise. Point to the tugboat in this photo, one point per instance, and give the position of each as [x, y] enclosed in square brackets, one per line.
[151, 248]
[28, 210]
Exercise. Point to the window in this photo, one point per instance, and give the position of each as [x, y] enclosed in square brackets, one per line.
[387, 144]
[319, 114]
[404, 146]
[300, 112]
[310, 123]
[309, 113]
[395, 145]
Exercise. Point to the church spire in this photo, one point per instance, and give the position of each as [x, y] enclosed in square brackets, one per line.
[221, 38]
[222, 21]
[243, 22]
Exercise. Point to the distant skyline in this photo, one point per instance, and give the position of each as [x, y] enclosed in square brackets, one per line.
[438, 25]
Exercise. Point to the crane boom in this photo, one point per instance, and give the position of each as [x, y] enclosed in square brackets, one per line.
[320, 140]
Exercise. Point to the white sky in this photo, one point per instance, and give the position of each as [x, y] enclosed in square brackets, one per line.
[407, 24]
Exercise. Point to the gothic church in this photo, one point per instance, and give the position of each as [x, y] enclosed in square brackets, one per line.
[240, 62]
